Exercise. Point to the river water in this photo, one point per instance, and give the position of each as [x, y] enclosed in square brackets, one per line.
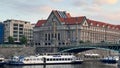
[83, 65]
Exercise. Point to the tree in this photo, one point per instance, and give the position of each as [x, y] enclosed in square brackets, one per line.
[81, 41]
[23, 40]
[102, 41]
[88, 41]
[10, 40]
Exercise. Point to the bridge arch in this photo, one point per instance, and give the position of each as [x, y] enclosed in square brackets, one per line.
[80, 49]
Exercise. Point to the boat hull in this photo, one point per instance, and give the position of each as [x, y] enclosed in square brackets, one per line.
[109, 61]
[2, 63]
[20, 63]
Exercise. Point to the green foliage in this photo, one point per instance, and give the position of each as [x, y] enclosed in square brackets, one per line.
[81, 41]
[88, 41]
[10, 40]
[23, 40]
[102, 41]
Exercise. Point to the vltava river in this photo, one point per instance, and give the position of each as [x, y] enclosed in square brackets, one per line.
[83, 65]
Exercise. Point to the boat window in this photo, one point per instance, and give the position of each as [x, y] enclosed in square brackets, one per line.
[50, 59]
[53, 59]
[30, 59]
[69, 59]
[47, 59]
[57, 59]
[38, 59]
[65, 58]
[62, 58]
[26, 59]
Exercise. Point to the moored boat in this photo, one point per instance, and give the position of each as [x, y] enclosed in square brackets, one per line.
[110, 60]
[47, 58]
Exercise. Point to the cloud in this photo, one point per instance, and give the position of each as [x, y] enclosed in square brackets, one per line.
[93, 9]
[108, 17]
[56, 0]
[93, 5]
[35, 9]
[92, 2]
[105, 2]
[112, 16]
[46, 8]
[79, 3]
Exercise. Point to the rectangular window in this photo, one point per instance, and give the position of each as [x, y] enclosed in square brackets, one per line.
[46, 37]
[15, 28]
[15, 24]
[52, 35]
[15, 32]
[58, 36]
[20, 32]
[20, 28]
[20, 25]
[15, 35]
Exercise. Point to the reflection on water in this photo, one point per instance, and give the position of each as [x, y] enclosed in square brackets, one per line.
[83, 65]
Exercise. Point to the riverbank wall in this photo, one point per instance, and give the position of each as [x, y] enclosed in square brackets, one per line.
[7, 52]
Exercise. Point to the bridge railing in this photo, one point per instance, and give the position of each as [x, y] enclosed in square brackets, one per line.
[83, 44]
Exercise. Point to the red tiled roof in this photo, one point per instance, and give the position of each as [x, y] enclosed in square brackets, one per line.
[118, 26]
[72, 20]
[94, 23]
[68, 20]
[40, 22]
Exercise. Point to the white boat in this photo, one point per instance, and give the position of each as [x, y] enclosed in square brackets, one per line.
[2, 61]
[48, 58]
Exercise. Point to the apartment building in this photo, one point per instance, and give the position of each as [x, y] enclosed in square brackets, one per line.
[17, 29]
[61, 28]
[1, 33]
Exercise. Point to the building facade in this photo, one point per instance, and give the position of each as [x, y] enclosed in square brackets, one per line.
[61, 28]
[17, 29]
[1, 33]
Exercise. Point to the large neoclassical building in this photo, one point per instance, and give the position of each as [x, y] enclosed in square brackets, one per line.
[61, 28]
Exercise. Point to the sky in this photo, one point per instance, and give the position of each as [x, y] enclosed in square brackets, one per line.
[33, 10]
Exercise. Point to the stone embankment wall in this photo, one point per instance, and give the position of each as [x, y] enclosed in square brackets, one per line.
[7, 52]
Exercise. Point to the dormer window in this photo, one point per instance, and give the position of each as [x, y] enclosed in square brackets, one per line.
[103, 25]
[91, 23]
[42, 24]
[85, 23]
[97, 24]
[63, 23]
[113, 27]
